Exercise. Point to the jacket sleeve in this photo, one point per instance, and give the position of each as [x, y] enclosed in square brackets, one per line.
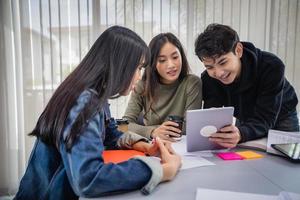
[134, 113]
[194, 94]
[90, 177]
[115, 139]
[267, 105]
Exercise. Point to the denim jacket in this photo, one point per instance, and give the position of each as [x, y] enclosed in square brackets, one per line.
[57, 174]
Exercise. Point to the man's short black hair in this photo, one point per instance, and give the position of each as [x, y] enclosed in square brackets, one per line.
[215, 41]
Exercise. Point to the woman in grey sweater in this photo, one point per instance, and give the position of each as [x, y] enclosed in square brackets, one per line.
[166, 89]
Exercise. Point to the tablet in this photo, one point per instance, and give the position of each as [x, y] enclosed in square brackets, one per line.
[290, 150]
[200, 124]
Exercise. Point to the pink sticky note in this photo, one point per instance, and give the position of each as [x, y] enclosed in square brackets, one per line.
[230, 156]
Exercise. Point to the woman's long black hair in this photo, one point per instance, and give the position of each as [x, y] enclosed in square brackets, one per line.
[108, 68]
[151, 76]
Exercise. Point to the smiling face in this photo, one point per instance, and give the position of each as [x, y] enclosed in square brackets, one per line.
[225, 68]
[169, 63]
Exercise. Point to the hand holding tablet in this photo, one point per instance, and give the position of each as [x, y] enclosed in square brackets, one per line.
[227, 137]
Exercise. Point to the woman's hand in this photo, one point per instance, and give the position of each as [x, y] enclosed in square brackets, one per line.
[171, 162]
[151, 149]
[229, 136]
[166, 131]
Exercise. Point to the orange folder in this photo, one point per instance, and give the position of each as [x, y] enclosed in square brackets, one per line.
[117, 156]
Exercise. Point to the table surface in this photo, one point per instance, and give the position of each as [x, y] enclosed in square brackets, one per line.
[268, 175]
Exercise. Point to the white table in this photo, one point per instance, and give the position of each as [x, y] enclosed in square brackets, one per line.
[268, 175]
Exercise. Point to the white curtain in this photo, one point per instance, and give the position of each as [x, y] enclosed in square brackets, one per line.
[41, 41]
[12, 152]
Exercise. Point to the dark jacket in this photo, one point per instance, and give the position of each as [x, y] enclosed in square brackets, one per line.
[261, 96]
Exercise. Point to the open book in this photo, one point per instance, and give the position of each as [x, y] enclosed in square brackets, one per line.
[274, 137]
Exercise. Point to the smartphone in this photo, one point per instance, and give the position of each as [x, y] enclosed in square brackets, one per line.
[290, 150]
[122, 121]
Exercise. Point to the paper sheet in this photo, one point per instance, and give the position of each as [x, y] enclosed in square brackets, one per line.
[258, 144]
[281, 137]
[180, 148]
[191, 160]
[208, 194]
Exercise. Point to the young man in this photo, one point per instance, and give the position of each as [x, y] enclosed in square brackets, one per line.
[252, 81]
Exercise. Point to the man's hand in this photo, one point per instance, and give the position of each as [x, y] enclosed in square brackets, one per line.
[228, 136]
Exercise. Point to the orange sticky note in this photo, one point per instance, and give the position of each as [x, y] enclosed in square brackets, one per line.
[249, 154]
[117, 156]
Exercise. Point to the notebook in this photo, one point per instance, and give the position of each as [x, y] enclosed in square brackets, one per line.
[117, 156]
[201, 123]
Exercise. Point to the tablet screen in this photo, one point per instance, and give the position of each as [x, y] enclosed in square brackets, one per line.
[292, 150]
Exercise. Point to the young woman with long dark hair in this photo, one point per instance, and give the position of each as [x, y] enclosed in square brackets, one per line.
[75, 128]
[167, 88]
